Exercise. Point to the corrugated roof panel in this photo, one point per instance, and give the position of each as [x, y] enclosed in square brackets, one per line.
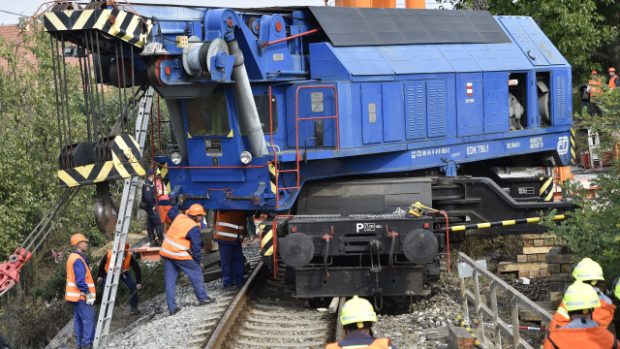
[459, 58]
[500, 57]
[542, 41]
[415, 59]
[363, 61]
[520, 36]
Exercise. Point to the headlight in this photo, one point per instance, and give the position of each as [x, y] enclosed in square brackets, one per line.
[245, 157]
[176, 158]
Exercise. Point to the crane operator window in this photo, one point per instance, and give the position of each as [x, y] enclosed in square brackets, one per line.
[208, 116]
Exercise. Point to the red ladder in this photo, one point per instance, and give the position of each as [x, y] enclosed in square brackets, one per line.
[299, 119]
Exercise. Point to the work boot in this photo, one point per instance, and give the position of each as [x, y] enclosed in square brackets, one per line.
[206, 301]
[176, 310]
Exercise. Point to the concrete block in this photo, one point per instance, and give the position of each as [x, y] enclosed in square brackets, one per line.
[554, 268]
[534, 273]
[566, 268]
[541, 257]
[505, 267]
[544, 273]
[524, 273]
[459, 338]
[521, 258]
[532, 258]
[528, 243]
[536, 250]
[538, 236]
[560, 258]
[556, 296]
[549, 242]
[563, 277]
[539, 242]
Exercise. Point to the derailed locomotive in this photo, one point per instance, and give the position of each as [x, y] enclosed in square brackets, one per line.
[336, 121]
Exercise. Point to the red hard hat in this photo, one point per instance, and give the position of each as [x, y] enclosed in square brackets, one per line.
[594, 72]
[196, 210]
[611, 69]
[77, 238]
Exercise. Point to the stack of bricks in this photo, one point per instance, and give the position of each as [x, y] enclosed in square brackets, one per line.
[533, 262]
[560, 264]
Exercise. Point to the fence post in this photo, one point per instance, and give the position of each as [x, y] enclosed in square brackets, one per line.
[515, 323]
[478, 305]
[496, 329]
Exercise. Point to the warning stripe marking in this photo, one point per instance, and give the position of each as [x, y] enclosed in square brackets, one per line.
[484, 225]
[125, 163]
[546, 188]
[126, 26]
[272, 177]
[266, 239]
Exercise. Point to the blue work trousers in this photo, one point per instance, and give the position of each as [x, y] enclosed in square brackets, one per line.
[131, 285]
[231, 260]
[153, 225]
[84, 323]
[194, 274]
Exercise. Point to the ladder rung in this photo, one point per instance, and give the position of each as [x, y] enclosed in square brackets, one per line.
[287, 171]
[288, 188]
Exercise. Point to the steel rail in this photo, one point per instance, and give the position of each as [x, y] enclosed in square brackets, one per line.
[220, 333]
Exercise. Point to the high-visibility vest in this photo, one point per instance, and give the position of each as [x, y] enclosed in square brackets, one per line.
[164, 205]
[72, 292]
[379, 343]
[602, 315]
[595, 87]
[126, 261]
[613, 82]
[591, 338]
[229, 225]
[175, 245]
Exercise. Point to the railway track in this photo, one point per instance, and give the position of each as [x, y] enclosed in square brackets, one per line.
[265, 315]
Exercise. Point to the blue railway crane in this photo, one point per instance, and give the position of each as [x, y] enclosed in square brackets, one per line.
[341, 118]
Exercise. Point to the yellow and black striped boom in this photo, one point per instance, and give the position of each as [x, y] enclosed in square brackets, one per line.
[485, 225]
[126, 26]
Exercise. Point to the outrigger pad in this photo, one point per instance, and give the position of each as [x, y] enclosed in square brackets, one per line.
[121, 160]
[345, 26]
[126, 26]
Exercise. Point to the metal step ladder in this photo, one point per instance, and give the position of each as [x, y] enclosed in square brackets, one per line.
[122, 227]
[594, 144]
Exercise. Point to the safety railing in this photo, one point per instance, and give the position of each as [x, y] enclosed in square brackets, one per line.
[470, 269]
[298, 119]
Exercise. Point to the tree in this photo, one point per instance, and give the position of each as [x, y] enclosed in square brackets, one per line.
[580, 29]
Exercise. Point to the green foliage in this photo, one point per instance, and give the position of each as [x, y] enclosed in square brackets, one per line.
[593, 229]
[581, 29]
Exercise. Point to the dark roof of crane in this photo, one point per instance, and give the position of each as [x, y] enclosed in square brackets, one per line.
[346, 26]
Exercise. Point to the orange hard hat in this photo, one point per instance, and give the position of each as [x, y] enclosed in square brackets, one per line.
[593, 72]
[77, 238]
[611, 69]
[196, 210]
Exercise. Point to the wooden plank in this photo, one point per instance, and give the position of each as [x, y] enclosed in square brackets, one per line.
[333, 305]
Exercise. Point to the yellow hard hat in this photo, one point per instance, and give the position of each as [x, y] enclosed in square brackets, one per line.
[77, 238]
[357, 310]
[617, 289]
[588, 270]
[579, 296]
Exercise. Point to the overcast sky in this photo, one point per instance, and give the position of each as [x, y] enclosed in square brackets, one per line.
[27, 7]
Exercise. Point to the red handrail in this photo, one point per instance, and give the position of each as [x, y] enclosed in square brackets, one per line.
[269, 43]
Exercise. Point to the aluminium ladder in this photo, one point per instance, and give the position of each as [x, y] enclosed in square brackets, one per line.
[122, 228]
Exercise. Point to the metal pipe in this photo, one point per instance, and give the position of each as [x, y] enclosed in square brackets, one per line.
[248, 113]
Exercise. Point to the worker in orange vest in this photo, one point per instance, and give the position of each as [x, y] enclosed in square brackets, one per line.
[165, 202]
[613, 78]
[357, 317]
[582, 331]
[229, 232]
[128, 262]
[181, 251]
[80, 291]
[591, 273]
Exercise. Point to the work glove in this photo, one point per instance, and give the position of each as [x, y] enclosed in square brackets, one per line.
[138, 286]
[99, 280]
[90, 299]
